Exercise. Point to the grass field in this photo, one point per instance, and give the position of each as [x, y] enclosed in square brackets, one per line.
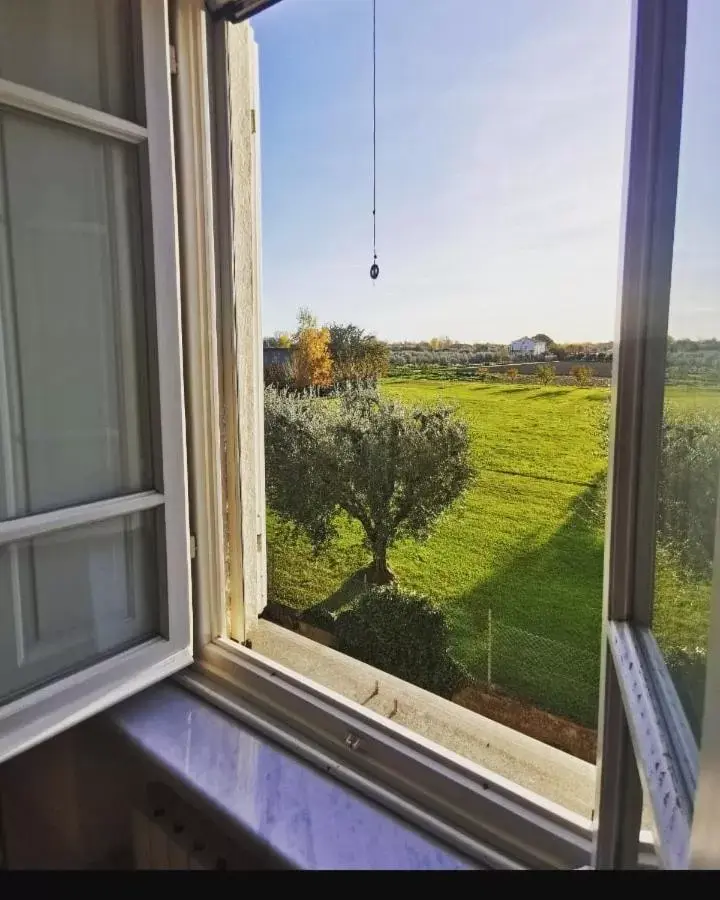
[521, 544]
[517, 562]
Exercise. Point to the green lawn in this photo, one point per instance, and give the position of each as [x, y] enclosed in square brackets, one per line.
[517, 562]
[521, 544]
[693, 397]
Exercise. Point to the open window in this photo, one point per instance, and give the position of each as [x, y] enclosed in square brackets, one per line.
[101, 528]
[660, 699]
[94, 545]
[654, 682]
[335, 708]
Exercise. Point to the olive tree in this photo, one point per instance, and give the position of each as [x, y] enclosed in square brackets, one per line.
[393, 467]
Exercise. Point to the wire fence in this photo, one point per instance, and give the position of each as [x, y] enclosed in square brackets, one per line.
[556, 676]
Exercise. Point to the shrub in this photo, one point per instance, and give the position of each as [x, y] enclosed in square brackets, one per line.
[688, 485]
[687, 667]
[582, 375]
[688, 489]
[403, 634]
[279, 375]
[545, 374]
[319, 617]
[512, 374]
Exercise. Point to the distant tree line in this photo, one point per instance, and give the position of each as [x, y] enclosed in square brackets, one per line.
[467, 356]
[693, 362]
[445, 357]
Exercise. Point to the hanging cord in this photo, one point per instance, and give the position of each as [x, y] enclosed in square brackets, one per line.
[374, 269]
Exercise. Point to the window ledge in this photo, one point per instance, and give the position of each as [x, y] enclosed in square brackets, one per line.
[553, 774]
[307, 819]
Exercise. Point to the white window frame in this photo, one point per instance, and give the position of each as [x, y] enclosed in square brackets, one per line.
[645, 739]
[483, 814]
[41, 713]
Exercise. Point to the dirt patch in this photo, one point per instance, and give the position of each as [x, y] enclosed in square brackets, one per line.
[536, 723]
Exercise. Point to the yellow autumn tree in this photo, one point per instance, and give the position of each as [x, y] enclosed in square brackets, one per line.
[312, 363]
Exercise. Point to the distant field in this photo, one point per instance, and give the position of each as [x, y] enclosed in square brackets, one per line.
[693, 397]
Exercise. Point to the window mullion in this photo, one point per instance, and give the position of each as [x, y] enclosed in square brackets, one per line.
[29, 527]
[20, 97]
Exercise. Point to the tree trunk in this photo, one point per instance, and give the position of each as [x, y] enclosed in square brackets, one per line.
[378, 572]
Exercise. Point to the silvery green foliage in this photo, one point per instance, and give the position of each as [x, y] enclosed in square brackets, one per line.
[393, 467]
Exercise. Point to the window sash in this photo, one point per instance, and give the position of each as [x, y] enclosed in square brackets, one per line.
[421, 781]
[645, 734]
[233, 61]
[155, 139]
[654, 109]
[44, 711]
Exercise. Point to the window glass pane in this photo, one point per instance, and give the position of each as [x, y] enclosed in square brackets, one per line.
[71, 597]
[74, 410]
[690, 455]
[79, 50]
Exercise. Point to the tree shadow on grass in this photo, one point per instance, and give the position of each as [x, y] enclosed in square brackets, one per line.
[551, 393]
[538, 617]
[516, 389]
[354, 585]
[535, 624]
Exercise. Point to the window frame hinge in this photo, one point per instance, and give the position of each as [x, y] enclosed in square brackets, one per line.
[173, 60]
[193, 546]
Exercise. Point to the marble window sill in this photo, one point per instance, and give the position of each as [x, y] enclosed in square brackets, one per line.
[301, 816]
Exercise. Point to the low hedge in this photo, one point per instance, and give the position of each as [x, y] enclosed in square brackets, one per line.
[402, 634]
[319, 617]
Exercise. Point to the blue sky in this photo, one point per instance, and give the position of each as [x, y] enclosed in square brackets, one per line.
[695, 293]
[501, 139]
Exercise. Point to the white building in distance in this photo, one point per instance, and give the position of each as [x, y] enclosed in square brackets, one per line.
[526, 346]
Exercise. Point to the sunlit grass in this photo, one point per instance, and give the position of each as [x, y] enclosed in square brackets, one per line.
[518, 543]
[520, 554]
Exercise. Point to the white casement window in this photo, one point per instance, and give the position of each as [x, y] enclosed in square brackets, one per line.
[97, 508]
[659, 728]
[485, 815]
[645, 737]
[94, 561]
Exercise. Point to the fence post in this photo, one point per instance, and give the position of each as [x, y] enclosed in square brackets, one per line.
[489, 649]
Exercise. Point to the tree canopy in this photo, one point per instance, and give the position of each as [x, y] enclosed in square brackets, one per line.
[395, 468]
[356, 355]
